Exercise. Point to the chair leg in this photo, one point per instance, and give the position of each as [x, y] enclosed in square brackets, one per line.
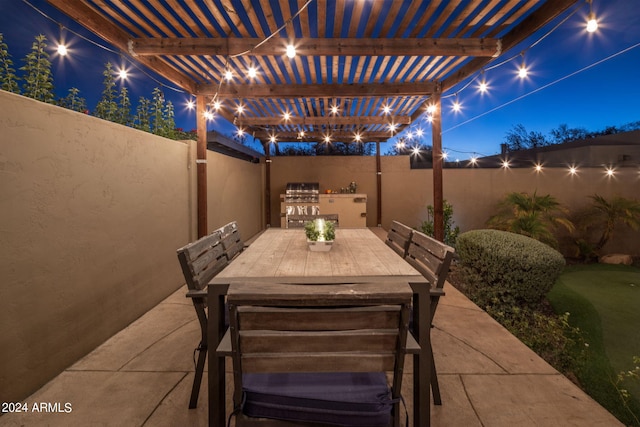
[197, 379]
[435, 387]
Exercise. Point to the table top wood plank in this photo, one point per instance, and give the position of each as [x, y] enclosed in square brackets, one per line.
[283, 254]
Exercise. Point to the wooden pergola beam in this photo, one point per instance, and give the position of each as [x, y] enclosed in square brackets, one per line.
[328, 121]
[479, 47]
[86, 16]
[256, 90]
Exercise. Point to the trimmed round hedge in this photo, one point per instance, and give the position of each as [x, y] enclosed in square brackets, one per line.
[518, 265]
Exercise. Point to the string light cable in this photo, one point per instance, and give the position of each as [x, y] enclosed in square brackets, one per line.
[131, 61]
[545, 86]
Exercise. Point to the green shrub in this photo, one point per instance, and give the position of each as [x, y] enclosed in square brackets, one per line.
[509, 266]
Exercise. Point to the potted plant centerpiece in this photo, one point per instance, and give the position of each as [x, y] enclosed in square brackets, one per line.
[320, 234]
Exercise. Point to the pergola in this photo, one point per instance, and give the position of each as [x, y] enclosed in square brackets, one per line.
[358, 71]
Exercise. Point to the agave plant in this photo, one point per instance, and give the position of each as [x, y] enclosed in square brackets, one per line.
[531, 215]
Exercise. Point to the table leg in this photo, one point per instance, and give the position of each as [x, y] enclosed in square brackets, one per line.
[215, 331]
[422, 361]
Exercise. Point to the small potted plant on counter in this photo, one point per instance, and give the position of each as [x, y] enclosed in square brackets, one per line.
[320, 234]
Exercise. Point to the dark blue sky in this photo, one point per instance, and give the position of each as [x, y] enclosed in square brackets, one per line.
[595, 97]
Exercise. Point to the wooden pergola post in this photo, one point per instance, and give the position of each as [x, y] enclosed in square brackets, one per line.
[379, 185]
[438, 198]
[201, 165]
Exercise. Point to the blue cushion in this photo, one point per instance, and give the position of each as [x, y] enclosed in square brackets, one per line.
[336, 398]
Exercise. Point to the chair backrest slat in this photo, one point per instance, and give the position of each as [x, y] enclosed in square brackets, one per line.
[202, 260]
[430, 257]
[231, 240]
[318, 328]
[398, 238]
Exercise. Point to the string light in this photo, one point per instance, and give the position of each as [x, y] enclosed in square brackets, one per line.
[610, 172]
[358, 137]
[419, 132]
[592, 23]
[327, 138]
[240, 132]
[62, 50]
[208, 115]
[252, 72]
[334, 109]
[240, 109]
[538, 167]
[228, 75]
[291, 51]
[456, 107]
[286, 116]
[273, 139]
[217, 105]
[415, 150]
[431, 108]
[573, 170]
[522, 71]
[122, 74]
[191, 105]
[473, 160]
[505, 164]
[386, 109]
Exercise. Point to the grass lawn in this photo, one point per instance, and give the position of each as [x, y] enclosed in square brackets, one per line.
[604, 301]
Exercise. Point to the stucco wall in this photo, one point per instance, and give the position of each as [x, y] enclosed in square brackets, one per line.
[91, 214]
[473, 193]
[235, 193]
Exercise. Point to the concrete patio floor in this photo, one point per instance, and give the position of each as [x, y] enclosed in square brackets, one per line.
[142, 376]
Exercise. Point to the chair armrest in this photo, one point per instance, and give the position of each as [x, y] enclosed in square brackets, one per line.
[436, 292]
[224, 347]
[412, 345]
[197, 293]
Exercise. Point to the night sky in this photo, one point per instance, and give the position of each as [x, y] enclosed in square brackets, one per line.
[587, 80]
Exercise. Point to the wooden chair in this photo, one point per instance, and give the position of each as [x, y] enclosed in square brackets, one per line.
[298, 221]
[398, 238]
[231, 240]
[301, 352]
[200, 262]
[432, 259]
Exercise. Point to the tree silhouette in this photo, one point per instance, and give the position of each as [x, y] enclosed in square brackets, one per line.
[38, 81]
[8, 78]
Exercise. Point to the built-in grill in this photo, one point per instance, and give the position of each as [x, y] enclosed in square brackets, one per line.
[301, 198]
[302, 192]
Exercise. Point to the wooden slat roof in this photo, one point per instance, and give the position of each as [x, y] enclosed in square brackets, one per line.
[357, 55]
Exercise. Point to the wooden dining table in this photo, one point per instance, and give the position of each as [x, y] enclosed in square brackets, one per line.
[282, 256]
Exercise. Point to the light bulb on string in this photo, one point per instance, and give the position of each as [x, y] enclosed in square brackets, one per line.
[592, 23]
[286, 116]
[228, 75]
[522, 71]
[483, 86]
[240, 109]
[456, 105]
[358, 137]
[419, 132]
[190, 104]
[327, 138]
[291, 51]
[217, 105]
[334, 109]
[273, 139]
[122, 73]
